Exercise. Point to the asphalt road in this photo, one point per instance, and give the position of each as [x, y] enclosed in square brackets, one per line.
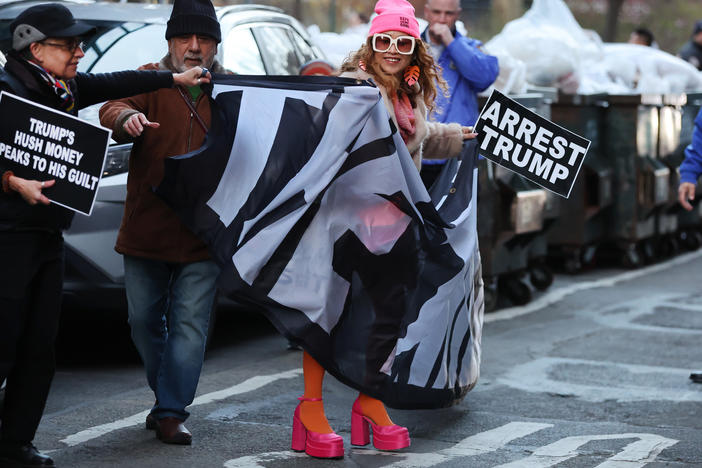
[592, 373]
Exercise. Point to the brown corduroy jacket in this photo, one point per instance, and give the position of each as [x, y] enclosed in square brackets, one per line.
[150, 228]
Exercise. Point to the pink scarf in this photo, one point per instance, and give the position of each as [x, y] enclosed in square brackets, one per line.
[404, 115]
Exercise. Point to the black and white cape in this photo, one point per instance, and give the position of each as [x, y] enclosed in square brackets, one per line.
[309, 200]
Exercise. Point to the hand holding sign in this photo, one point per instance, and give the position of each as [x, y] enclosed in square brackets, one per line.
[524, 142]
[135, 124]
[38, 144]
[468, 133]
[30, 190]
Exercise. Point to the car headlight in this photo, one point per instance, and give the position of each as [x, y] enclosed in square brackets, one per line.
[117, 160]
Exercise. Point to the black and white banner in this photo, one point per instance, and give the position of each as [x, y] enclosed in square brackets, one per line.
[524, 142]
[41, 143]
[310, 201]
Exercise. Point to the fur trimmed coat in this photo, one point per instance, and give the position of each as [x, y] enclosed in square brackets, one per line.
[431, 140]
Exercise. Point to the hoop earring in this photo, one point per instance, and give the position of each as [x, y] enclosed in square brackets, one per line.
[411, 74]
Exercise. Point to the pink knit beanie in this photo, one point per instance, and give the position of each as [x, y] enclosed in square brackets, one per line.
[394, 15]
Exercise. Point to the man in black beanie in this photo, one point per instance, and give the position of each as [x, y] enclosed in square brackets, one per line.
[168, 271]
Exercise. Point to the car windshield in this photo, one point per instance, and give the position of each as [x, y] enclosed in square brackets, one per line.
[123, 46]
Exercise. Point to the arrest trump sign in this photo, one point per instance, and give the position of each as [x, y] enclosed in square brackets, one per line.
[524, 142]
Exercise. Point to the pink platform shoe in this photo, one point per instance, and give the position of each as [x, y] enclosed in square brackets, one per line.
[315, 444]
[384, 437]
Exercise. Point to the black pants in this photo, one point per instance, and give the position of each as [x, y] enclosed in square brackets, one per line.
[31, 277]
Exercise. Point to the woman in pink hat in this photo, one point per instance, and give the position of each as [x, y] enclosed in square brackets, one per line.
[396, 60]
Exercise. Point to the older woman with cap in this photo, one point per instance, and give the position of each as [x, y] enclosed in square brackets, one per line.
[397, 62]
[42, 67]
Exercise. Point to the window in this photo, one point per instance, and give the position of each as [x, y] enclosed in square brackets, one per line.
[277, 50]
[121, 47]
[240, 53]
[304, 49]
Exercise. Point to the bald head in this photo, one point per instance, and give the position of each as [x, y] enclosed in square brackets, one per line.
[441, 16]
[442, 11]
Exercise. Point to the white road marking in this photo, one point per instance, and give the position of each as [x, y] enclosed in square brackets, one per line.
[635, 455]
[254, 461]
[247, 386]
[559, 294]
[624, 314]
[484, 442]
[535, 377]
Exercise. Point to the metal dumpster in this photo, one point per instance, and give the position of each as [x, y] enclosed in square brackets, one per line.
[581, 228]
[671, 154]
[641, 181]
[510, 214]
[510, 223]
[540, 100]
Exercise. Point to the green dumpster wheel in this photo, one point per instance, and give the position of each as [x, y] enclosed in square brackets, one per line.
[541, 277]
[689, 239]
[572, 265]
[630, 257]
[516, 290]
[649, 251]
[668, 246]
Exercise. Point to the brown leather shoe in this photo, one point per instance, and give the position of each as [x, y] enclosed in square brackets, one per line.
[171, 430]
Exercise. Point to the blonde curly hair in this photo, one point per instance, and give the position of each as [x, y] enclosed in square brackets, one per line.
[429, 72]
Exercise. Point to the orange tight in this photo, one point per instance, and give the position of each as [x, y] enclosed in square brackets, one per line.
[312, 412]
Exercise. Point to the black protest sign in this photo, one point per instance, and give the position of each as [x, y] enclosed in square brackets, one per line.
[40, 143]
[524, 142]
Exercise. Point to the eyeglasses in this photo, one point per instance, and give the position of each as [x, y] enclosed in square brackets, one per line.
[383, 42]
[69, 47]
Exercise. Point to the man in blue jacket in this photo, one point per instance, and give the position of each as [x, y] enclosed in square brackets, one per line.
[465, 67]
[690, 170]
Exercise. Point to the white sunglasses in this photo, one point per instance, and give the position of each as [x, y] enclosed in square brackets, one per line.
[403, 44]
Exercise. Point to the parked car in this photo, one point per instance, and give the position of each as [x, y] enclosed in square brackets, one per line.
[256, 40]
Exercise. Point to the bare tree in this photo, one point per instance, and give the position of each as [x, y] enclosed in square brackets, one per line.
[613, 9]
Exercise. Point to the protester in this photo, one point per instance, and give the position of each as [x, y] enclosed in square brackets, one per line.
[692, 50]
[466, 68]
[690, 171]
[169, 276]
[42, 67]
[641, 36]
[395, 60]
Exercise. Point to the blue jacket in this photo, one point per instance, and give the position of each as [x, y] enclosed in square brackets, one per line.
[467, 70]
[691, 167]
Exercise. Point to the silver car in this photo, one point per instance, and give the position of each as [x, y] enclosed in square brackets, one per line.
[256, 40]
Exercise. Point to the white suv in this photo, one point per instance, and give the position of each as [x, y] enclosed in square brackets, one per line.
[256, 40]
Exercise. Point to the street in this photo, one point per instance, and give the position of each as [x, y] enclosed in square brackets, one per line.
[593, 372]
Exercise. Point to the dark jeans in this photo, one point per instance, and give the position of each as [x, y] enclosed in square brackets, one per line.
[31, 277]
[169, 313]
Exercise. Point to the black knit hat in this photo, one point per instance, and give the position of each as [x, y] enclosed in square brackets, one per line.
[193, 17]
[46, 20]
